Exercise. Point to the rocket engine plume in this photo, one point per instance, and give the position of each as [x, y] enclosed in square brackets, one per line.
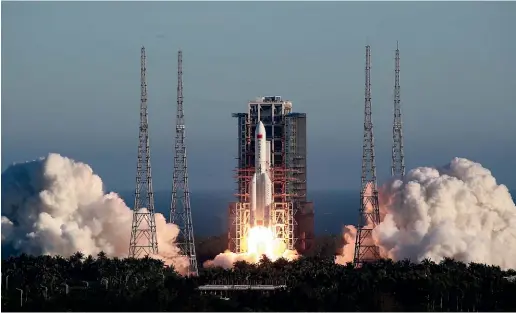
[456, 211]
[260, 241]
[57, 206]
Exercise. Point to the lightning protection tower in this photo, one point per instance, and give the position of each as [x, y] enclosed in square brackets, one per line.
[369, 214]
[398, 158]
[143, 234]
[180, 211]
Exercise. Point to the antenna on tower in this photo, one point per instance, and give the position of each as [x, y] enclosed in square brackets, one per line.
[180, 210]
[398, 157]
[369, 214]
[143, 234]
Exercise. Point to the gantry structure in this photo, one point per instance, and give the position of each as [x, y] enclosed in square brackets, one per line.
[398, 155]
[369, 213]
[180, 209]
[291, 214]
[143, 231]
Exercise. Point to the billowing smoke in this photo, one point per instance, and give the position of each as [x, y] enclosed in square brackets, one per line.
[228, 258]
[456, 211]
[57, 206]
[350, 234]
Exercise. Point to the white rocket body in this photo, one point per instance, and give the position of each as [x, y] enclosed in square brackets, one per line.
[261, 184]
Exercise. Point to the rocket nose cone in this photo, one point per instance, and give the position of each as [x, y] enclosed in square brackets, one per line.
[260, 129]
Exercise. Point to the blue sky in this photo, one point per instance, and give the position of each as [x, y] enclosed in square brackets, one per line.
[70, 82]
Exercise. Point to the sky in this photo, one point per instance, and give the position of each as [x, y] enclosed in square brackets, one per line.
[71, 83]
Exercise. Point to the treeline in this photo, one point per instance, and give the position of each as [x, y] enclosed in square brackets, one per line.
[80, 283]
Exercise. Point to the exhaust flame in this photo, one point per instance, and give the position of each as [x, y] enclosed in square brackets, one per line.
[260, 241]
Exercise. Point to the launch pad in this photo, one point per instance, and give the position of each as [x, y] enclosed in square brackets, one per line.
[287, 213]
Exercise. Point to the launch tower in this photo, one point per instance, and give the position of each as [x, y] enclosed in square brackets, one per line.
[286, 132]
[369, 214]
[180, 210]
[143, 232]
[398, 157]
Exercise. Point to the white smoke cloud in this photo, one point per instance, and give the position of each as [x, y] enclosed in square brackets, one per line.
[349, 233]
[456, 211]
[57, 206]
[227, 259]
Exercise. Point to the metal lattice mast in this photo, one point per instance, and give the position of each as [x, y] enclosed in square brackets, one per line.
[398, 158]
[180, 210]
[143, 234]
[369, 215]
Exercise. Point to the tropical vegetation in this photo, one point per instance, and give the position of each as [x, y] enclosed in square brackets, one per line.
[316, 283]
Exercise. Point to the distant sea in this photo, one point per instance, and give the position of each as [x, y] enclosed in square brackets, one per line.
[333, 209]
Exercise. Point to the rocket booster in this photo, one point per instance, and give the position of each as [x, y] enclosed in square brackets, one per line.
[261, 184]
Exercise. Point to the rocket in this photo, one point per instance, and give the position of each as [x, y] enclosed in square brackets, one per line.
[261, 184]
